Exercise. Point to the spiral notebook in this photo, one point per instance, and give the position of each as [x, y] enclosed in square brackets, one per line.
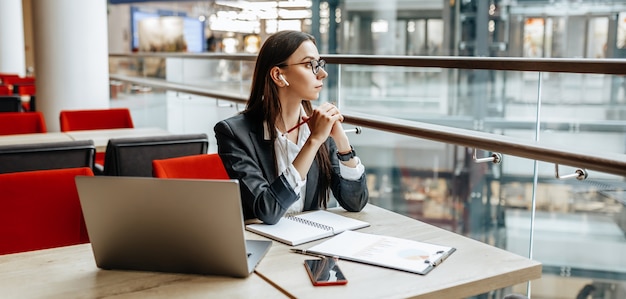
[296, 229]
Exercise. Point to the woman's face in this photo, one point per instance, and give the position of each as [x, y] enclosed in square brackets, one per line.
[303, 83]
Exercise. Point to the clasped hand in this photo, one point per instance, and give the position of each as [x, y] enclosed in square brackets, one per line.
[325, 121]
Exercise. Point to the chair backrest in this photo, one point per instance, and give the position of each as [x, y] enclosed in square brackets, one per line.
[47, 155]
[206, 166]
[10, 104]
[22, 123]
[95, 119]
[133, 156]
[41, 209]
[11, 80]
[5, 76]
[5, 90]
[25, 89]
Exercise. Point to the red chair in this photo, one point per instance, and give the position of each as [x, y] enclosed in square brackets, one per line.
[11, 80]
[5, 90]
[22, 123]
[41, 209]
[206, 166]
[4, 76]
[15, 82]
[27, 90]
[96, 119]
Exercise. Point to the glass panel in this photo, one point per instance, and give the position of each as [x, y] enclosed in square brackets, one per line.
[231, 76]
[435, 37]
[587, 107]
[152, 67]
[597, 37]
[621, 31]
[533, 37]
[559, 37]
[394, 91]
[578, 235]
[146, 104]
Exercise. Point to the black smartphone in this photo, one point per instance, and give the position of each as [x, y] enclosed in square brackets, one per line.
[324, 272]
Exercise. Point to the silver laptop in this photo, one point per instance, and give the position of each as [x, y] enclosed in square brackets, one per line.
[168, 225]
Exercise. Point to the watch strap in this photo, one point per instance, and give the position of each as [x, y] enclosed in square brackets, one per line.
[347, 156]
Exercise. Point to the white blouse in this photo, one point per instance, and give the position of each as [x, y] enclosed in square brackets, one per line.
[286, 151]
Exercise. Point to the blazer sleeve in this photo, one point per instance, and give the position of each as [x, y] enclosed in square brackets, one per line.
[351, 195]
[261, 198]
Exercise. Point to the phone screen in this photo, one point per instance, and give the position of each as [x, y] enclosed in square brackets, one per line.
[325, 271]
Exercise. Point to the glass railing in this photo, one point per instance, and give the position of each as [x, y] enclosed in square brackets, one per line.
[430, 129]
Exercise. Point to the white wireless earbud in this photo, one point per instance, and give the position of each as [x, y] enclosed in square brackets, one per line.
[282, 78]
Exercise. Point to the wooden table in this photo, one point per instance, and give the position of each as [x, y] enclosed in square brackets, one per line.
[475, 268]
[34, 138]
[101, 137]
[70, 272]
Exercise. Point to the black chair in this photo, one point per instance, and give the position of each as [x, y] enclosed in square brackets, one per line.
[133, 156]
[26, 89]
[47, 155]
[10, 104]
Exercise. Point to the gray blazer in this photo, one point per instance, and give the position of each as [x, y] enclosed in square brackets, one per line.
[248, 157]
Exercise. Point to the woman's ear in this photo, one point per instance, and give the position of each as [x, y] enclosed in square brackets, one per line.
[278, 78]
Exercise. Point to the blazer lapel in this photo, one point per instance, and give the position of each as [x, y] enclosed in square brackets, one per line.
[310, 199]
[264, 153]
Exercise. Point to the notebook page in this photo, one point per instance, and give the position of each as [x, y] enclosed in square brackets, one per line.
[385, 251]
[338, 223]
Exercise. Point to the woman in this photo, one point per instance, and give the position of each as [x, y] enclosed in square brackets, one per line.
[282, 167]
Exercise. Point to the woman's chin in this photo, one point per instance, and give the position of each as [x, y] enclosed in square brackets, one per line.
[313, 97]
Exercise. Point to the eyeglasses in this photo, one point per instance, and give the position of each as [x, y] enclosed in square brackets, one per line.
[316, 65]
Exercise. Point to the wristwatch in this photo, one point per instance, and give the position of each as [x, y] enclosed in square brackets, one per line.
[347, 156]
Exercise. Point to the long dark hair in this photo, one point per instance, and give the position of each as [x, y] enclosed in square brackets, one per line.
[264, 104]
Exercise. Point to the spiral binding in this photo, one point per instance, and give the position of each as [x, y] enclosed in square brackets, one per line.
[295, 217]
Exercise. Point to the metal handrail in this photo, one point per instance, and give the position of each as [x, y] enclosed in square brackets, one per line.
[604, 162]
[560, 65]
